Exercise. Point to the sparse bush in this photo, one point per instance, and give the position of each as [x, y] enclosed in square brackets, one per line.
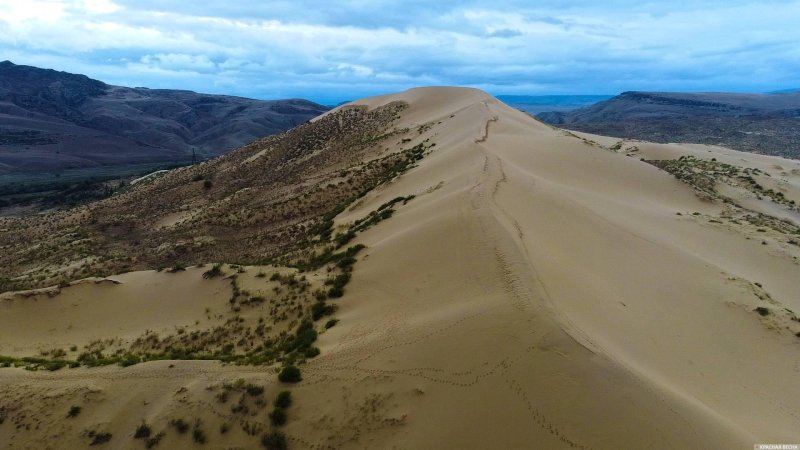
[283, 400]
[198, 435]
[761, 310]
[331, 323]
[214, 272]
[254, 390]
[289, 374]
[277, 417]
[180, 425]
[153, 441]
[177, 268]
[274, 440]
[99, 438]
[142, 431]
[74, 411]
[207, 184]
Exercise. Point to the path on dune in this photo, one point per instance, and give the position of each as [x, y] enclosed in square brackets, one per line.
[522, 281]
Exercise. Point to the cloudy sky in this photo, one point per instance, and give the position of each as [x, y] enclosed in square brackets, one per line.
[331, 51]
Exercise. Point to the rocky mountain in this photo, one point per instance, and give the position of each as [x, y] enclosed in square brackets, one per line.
[53, 121]
[762, 123]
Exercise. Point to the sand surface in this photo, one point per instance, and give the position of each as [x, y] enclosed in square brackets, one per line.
[540, 291]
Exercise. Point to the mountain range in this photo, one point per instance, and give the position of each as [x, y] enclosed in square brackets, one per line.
[53, 121]
[762, 123]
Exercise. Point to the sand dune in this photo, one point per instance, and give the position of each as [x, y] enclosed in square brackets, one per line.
[542, 290]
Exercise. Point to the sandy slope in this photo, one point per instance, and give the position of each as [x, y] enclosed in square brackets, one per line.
[539, 292]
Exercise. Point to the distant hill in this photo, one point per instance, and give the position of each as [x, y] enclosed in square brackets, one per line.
[54, 121]
[535, 104]
[764, 123]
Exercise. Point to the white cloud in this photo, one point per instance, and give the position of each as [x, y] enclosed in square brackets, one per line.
[303, 48]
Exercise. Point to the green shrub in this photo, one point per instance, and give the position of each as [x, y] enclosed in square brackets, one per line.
[129, 360]
[331, 323]
[321, 309]
[289, 374]
[283, 400]
[763, 311]
[274, 440]
[344, 238]
[277, 417]
[55, 364]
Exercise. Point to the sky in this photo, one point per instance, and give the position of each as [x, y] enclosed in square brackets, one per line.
[332, 51]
